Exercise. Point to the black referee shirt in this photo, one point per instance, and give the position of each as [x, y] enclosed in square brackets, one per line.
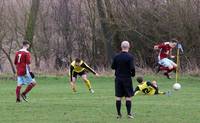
[123, 63]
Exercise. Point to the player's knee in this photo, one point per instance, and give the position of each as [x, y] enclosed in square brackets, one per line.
[85, 79]
[33, 83]
[118, 98]
[175, 65]
[170, 67]
[19, 85]
[128, 98]
[72, 82]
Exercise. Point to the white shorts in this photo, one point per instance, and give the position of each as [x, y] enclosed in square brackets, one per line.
[166, 62]
[26, 79]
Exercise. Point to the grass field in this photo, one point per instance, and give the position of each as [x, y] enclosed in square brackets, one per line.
[53, 102]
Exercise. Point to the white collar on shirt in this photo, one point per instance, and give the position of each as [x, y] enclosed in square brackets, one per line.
[25, 50]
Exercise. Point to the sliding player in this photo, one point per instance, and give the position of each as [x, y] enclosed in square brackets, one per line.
[147, 87]
[79, 67]
[22, 62]
[165, 63]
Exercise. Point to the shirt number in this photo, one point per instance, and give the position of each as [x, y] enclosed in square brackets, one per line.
[19, 57]
[146, 91]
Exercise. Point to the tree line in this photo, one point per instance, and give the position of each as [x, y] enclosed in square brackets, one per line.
[60, 30]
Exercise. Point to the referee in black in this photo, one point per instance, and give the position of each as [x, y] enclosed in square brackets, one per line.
[123, 64]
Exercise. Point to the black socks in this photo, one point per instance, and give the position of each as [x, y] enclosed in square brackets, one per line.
[118, 106]
[128, 107]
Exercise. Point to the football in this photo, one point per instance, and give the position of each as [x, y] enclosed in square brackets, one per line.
[177, 86]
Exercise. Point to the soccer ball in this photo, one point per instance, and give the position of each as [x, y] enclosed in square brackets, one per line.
[176, 86]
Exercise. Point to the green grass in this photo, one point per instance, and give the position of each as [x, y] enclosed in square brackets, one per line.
[52, 101]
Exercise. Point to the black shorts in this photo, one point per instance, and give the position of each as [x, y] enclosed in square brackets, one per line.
[123, 87]
[75, 74]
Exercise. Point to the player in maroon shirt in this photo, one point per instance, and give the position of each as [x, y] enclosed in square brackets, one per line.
[164, 55]
[22, 61]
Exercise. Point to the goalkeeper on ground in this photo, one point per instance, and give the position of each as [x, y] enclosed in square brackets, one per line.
[147, 87]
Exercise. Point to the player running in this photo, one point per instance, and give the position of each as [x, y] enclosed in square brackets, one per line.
[164, 62]
[147, 87]
[22, 62]
[79, 67]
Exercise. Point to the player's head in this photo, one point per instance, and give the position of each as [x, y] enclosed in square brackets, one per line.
[154, 83]
[77, 61]
[26, 44]
[139, 79]
[173, 43]
[125, 45]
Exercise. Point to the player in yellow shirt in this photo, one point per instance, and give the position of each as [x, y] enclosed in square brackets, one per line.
[79, 67]
[147, 87]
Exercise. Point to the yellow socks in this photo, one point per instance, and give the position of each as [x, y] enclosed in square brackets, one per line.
[87, 82]
[161, 93]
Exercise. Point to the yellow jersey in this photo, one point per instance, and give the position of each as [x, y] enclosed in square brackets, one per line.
[146, 87]
[79, 68]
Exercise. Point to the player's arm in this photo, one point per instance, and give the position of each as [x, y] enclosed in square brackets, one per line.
[84, 65]
[71, 72]
[170, 54]
[159, 46]
[16, 58]
[150, 84]
[137, 90]
[113, 66]
[132, 67]
[28, 58]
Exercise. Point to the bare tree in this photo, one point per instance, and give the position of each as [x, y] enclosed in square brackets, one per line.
[105, 29]
[31, 27]
[60, 30]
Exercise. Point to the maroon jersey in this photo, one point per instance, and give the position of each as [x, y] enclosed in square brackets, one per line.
[164, 50]
[22, 59]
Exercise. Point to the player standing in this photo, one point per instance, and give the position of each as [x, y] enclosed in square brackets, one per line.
[165, 50]
[22, 62]
[123, 64]
[79, 67]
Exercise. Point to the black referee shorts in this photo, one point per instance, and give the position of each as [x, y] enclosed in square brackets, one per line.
[123, 87]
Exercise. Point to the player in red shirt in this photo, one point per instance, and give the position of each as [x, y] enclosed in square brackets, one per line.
[22, 61]
[164, 55]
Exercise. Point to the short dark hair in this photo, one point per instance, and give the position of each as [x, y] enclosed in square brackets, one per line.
[77, 60]
[25, 43]
[139, 79]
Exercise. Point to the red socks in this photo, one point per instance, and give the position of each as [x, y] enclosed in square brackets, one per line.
[18, 88]
[170, 70]
[28, 88]
[164, 68]
[167, 69]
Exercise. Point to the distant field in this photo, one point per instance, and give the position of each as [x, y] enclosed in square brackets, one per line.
[53, 102]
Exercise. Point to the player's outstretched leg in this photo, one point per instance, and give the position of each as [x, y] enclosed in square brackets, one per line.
[161, 93]
[87, 83]
[168, 93]
[27, 90]
[18, 88]
[170, 69]
[73, 86]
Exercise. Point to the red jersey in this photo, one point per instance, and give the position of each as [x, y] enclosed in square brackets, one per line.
[164, 50]
[22, 59]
